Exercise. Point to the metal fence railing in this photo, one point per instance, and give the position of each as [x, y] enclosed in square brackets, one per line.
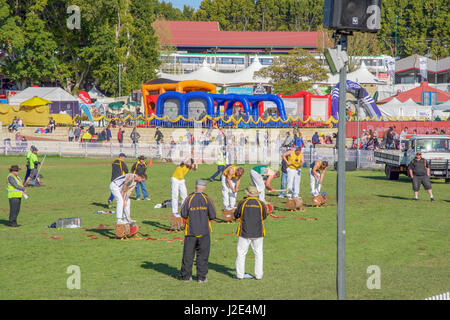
[236, 153]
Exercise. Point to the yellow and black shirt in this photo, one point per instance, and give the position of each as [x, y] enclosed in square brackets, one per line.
[251, 213]
[119, 168]
[198, 210]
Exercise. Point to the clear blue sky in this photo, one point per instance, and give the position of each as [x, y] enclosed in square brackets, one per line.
[180, 3]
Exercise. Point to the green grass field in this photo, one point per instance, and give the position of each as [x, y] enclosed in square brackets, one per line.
[408, 240]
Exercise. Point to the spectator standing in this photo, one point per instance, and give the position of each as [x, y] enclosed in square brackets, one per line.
[108, 133]
[120, 135]
[135, 136]
[288, 141]
[77, 133]
[140, 168]
[158, 136]
[198, 210]
[251, 213]
[315, 139]
[403, 134]
[71, 134]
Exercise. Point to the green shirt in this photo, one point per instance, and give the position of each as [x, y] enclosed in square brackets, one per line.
[262, 170]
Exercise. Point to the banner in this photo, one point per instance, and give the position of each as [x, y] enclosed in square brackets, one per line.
[84, 96]
[423, 68]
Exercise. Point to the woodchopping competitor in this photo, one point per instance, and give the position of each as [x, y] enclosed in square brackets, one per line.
[262, 177]
[231, 179]
[178, 184]
[295, 161]
[121, 188]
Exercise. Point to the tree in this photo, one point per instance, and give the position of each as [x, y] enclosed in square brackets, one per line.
[294, 72]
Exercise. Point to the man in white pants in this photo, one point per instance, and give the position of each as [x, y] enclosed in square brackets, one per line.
[262, 177]
[295, 161]
[251, 213]
[316, 173]
[178, 184]
[231, 179]
[121, 188]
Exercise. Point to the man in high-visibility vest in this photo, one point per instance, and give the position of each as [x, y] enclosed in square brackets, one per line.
[15, 192]
[30, 152]
[34, 162]
[221, 163]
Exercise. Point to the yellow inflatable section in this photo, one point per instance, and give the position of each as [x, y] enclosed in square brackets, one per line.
[62, 118]
[31, 116]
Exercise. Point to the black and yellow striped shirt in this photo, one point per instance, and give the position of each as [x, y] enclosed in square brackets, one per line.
[198, 209]
[251, 213]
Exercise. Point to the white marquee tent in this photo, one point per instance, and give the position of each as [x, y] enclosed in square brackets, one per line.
[205, 73]
[407, 109]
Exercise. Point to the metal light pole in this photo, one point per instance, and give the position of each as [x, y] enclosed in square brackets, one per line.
[340, 277]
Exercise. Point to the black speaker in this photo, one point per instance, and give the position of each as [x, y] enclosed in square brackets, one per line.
[349, 165]
[352, 15]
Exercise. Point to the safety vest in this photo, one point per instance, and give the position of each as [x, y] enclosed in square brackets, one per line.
[13, 192]
[295, 160]
[221, 160]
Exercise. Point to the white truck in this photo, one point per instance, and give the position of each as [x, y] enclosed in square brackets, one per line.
[435, 149]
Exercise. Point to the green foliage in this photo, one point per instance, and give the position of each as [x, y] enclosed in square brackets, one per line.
[40, 48]
[294, 72]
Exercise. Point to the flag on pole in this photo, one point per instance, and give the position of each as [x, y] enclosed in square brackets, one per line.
[423, 66]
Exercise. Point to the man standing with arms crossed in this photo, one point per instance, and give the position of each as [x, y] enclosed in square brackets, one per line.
[198, 209]
[231, 179]
[294, 160]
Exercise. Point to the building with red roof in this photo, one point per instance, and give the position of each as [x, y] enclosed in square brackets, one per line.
[206, 37]
[417, 94]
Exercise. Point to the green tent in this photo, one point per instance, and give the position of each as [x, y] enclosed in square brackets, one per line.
[116, 105]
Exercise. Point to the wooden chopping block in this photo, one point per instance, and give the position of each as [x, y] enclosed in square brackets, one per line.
[228, 215]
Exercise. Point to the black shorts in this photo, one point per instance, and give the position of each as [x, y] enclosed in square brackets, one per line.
[421, 180]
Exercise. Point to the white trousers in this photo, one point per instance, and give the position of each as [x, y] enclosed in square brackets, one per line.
[293, 182]
[122, 217]
[178, 189]
[242, 249]
[258, 182]
[228, 196]
[315, 186]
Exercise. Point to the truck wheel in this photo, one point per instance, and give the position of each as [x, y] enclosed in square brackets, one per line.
[390, 174]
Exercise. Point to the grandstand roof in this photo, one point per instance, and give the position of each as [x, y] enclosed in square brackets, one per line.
[201, 34]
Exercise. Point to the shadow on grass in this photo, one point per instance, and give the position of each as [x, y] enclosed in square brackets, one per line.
[175, 273]
[157, 224]
[401, 179]
[393, 197]
[102, 205]
[109, 233]
[4, 222]
[162, 268]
